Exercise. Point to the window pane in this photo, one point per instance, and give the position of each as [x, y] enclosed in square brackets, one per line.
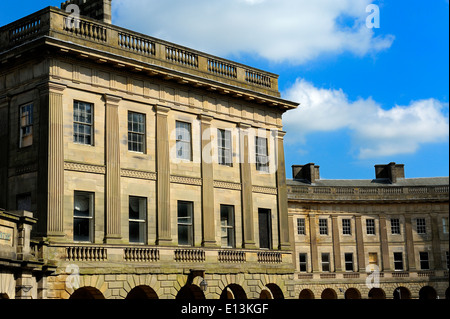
[227, 224]
[185, 225]
[81, 229]
[82, 205]
[265, 233]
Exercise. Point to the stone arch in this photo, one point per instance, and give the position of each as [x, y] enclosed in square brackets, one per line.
[142, 293]
[352, 293]
[329, 294]
[402, 293]
[427, 293]
[190, 292]
[377, 293]
[87, 293]
[306, 294]
[233, 291]
[276, 291]
[265, 294]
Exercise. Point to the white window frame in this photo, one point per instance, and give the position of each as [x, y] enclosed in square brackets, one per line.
[370, 227]
[78, 123]
[227, 227]
[397, 261]
[303, 263]
[421, 226]
[89, 218]
[183, 140]
[301, 226]
[323, 226]
[349, 262]
[137, 132]
[225, 147]
[346, 226]
[262, 154]
[141, 221]
[395, 226]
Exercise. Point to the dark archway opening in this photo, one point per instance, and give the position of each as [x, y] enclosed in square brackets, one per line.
[427, 293]
[87, 293]
[190, 292]
[233, 292]
[142, 293]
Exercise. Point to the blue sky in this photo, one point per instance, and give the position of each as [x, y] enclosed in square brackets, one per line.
[369, 96]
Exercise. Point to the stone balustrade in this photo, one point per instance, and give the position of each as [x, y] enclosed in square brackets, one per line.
[56, 24]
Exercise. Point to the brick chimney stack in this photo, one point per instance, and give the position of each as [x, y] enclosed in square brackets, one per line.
[96, 9]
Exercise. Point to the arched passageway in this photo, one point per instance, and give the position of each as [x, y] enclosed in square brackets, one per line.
[233, 292]
[87, 293]
[306, 294]
[402, 293]
[427, 293]
[352, 293]
[190, 292]
[142, 293]
[329, 294]
[377, 293]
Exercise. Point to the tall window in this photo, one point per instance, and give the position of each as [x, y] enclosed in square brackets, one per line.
[185, 223]
[395, 226]
[225, 148]
[262, 155]
[265, 228]
[83, 217]
[424, 261]
[346, 227]
[323, 226]
[421, 226]
[82, 123]
[349, 262]
[301, 229]
[136, 132]
[370, 225]
[325, 262]
[373, 258]
[184, 141]
[445, 225]
[398, 261]
[23, 202]
[303, 258]
[137, 220]
[26, 125]
[227, 226]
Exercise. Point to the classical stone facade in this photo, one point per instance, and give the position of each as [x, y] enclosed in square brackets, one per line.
[150, 167]
[157, 171]
[343, 230]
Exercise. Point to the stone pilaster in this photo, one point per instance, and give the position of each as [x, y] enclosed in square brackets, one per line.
[283, 220]
[208, 224]
[410, 254]
[386, 266]
[51, 161]
[4, 150]
[360, 244]
[112, 160]
[164, 232]
[313, 243]
[436, 243]
[247, 189]
[336, 244]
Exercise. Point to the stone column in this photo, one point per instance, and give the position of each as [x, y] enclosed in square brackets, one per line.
[410, 254]
[283, 220]
[4, 150]
[436, 243]
[360, 244]
[208, 224]
[51, 161]
[247, 189]
[164, 231]
[336, 244]
[384, 244]
[112, 160]
[313, 244]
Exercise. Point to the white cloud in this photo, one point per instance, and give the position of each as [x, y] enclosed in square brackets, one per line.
[375, 131]
[296, 31]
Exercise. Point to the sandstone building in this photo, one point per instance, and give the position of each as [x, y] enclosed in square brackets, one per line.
[343, 230]
[150, 167]
[157, 171]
